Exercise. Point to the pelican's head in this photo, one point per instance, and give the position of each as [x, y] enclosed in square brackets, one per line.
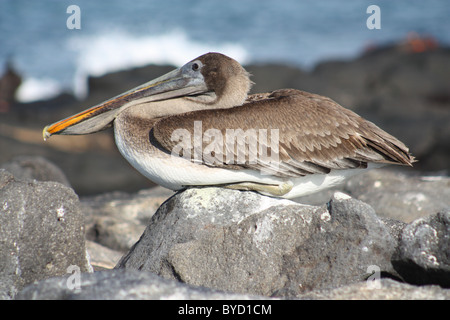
[212, 80]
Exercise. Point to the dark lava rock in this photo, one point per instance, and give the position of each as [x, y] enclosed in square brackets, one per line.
[119, 285]
[41, 232]
[35, 167]
[117, 220]
[384, 289]
[423, 256]
[399, 195]
[141, 285]
[259, 245]
[238, 242]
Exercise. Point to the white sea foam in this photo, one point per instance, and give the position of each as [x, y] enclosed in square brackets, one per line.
[96, 55]
[33, 89]
[119, 50]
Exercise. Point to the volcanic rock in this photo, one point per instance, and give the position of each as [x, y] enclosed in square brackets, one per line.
[41, 232]
[423, 256]
[121, 285]
[259, 245]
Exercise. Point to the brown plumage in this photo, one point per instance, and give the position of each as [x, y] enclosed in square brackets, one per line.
[315, 133]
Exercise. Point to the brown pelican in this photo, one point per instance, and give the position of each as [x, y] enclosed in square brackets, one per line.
[198, 126]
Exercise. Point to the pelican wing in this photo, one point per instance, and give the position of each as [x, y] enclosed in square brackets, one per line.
[285, 133]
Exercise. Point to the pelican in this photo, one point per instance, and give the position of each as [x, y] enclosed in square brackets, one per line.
[198, 126]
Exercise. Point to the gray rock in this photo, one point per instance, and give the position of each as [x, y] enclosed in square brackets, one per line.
[101, 257]
[139, 206]
[247, 243]
[382, 289]
[141, 285]
[399, 196]
[423, 256]
[119, 285]
[117, 220]
[115, 233]
[394, 227]
[35, 167]
[41, 232]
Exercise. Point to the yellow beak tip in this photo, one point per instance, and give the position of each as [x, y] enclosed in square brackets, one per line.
[46, 134]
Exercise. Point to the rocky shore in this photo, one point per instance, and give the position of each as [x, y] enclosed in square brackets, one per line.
[213, 243]
[70, 229]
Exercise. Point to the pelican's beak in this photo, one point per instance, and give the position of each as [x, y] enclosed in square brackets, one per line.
[177, 83]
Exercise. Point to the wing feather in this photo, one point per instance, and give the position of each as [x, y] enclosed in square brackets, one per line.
[315, 135]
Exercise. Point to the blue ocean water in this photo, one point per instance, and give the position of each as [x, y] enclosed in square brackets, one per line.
[116, 35]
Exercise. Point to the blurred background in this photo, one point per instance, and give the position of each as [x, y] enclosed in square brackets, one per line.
[397, 76]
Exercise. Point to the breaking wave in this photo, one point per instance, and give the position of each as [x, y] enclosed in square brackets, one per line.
[96, 55]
